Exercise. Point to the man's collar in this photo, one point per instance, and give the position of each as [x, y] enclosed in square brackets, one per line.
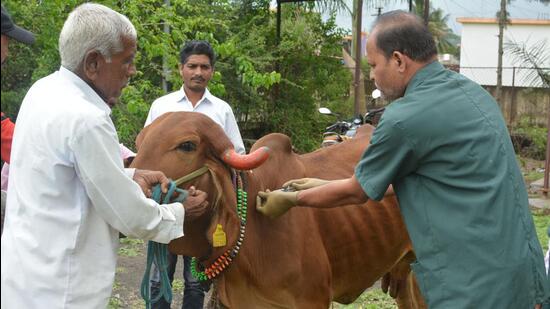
[206, 95]
[87, 91]
[424, 72]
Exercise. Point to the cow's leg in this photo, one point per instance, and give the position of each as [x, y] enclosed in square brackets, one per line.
[414, 297]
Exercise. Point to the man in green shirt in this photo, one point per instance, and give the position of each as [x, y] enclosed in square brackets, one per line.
[444, 146]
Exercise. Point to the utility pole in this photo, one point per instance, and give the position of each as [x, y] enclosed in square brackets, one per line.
[357, 78]
[165, 68]
[501, 24]
[426, 12]
[278, 23]
[547, 162]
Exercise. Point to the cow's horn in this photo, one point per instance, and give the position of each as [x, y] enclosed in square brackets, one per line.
[245, 162]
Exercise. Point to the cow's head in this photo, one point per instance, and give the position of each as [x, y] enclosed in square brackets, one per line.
[182, 142]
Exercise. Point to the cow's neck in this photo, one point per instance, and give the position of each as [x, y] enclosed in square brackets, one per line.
[219, 264]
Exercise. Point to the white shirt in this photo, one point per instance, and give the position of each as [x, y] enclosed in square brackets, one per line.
[68, 197]
[213, 107]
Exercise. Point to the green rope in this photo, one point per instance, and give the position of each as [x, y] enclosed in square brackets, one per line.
[158, 253]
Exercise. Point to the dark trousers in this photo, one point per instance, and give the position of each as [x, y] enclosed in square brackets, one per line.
[193, 293]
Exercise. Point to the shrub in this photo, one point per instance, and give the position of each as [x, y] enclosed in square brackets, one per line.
[529, 140]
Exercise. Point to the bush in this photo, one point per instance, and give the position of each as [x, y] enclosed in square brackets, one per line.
[529, 140]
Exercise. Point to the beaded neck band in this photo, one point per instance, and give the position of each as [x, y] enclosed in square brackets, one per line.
[223, 261]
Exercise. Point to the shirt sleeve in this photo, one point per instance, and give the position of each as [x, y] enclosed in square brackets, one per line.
[390, 156]
[7, 135]
[114, 195]
[232, 131]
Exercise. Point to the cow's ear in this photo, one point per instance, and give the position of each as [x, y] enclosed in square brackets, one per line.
[140, 137]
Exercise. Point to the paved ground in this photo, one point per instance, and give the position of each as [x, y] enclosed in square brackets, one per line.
[540, 203]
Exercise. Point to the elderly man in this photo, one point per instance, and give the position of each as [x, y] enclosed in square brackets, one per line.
[459, 186]
[68, 201]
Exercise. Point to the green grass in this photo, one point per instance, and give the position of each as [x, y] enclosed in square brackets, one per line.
[177, 286]
[372, 299]
[114, 303]
[533, 176]
[130, 247]
[542, 221]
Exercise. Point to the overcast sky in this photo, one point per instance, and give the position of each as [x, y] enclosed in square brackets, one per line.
[457, 8]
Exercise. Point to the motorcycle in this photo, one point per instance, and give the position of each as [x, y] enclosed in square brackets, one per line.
[343, 130]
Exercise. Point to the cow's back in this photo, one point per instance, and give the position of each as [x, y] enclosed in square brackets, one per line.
[345, 248]
[363, 241]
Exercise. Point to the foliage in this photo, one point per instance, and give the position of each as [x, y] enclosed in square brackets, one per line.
[535, 56]
[114, 303]
[272, 88]
[535, 139]
[177, 285]
[371, 299]
[26, 64]
[446, 41]
[130, 247]
[313, 75]
[532, 176]
[542, 222]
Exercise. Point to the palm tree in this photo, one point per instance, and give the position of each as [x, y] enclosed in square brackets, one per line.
[446, 40]
[534, 56]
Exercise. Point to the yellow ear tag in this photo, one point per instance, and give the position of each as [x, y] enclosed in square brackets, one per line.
[218, 238]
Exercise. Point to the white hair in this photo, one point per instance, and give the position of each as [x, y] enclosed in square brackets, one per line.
[93, 27]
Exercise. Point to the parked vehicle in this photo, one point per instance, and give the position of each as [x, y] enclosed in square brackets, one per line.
[343, 130]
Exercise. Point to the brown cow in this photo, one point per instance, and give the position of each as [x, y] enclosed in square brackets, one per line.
[304, 259]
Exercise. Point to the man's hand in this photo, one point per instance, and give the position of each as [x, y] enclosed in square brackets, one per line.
[195, 204]
[275, 204]
[147, 179]
[305, 183]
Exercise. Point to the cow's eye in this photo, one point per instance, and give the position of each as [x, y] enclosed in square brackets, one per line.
[187, 146]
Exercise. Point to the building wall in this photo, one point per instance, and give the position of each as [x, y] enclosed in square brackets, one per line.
[519, 103]
[479, 50]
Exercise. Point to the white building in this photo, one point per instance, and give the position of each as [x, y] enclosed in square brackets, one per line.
[479, 49]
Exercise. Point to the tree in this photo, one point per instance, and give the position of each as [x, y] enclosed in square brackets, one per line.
[534, 56]
[445, 39]
[310, 70]
[242, 33]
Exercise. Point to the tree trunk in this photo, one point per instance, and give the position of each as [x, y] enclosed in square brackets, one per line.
[426, 12]
[165, 68]
[501, 25]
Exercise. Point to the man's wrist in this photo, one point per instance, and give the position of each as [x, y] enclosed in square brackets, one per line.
[297, 198]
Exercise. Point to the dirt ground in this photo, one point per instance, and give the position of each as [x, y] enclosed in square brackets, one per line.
[132, 259]
[131, 267]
